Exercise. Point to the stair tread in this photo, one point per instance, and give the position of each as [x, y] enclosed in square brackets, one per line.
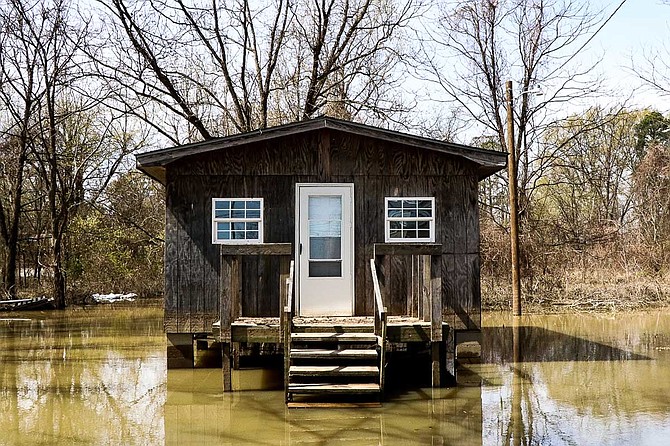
[333, 370]
[333, 388]
[335, 337]
[329, 353]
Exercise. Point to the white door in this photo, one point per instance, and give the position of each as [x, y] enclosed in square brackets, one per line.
[326, 248]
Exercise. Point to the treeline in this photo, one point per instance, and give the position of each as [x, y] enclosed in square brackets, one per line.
[594, 214]
[85, 85]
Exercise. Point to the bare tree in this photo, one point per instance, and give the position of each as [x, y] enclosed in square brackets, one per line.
[20, 94]
[655, 70]
[478, 45]
[70, 146]
[586, 193]
[227, 67]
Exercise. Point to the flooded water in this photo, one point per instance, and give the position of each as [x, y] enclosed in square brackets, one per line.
[98, 376]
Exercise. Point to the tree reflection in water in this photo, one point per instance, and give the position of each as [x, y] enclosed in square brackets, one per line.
[83, 377]
[98, 377]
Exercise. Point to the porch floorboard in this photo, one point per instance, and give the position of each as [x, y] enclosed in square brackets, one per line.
[266, 329]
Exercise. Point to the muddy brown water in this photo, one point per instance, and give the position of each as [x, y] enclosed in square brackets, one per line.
[98, 376]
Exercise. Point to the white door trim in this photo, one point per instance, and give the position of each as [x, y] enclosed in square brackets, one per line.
[337, 290]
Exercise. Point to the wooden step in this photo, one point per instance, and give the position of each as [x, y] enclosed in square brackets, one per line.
[333, 337]
[319, 353]
[333, 370]
[353, 388]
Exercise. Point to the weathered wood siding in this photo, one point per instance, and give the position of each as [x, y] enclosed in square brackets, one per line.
[270, 170]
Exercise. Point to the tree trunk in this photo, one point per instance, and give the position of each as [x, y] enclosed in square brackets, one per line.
[59, 276]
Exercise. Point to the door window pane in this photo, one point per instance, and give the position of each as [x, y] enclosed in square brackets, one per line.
[325, 207]
[325, 269]
[325, 235]
[325, 247]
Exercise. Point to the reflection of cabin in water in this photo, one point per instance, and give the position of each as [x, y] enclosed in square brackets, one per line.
[326, 240]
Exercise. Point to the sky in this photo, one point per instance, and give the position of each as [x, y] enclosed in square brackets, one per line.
[639, 26]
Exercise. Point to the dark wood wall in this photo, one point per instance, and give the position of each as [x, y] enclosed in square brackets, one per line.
[270, 170]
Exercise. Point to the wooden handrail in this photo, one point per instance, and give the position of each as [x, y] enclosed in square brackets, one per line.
[379, 304]
[288, 307]
[380, 322]
[286, 326]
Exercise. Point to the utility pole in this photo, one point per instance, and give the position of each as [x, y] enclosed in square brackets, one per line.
[513, 207]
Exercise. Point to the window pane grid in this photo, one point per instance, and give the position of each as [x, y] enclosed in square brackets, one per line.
[410, 219]
[237, 220]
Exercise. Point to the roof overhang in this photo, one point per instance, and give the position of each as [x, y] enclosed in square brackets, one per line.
[154, 163]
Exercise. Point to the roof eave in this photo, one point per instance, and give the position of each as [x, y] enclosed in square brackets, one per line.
[485, 159]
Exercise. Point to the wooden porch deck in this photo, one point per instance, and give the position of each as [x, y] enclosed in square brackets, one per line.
[267, 329]
[319, 352]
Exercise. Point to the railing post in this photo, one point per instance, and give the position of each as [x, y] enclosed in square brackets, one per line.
[380, 324]
[284, 262]
[226, 316]
[286, 326]
[437, 346]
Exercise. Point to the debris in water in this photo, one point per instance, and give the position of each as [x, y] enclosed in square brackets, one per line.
[110, 298]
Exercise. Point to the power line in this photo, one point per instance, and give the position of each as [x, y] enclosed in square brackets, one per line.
[589, 39]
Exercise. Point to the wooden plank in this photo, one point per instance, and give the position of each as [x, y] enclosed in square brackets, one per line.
[323, 156]
[460, 226]
[436, 297]
[235, 287]
[475, 309]
[471, 202]
[251, 282]
[449, 302]
[196, 265]
[426, 289]
[333, 370]
[399, 249]
[363, 250]
[212, 260]
[226, 306]
[445, 213]
[334, 337]
[184, 242]
[284, 264]
[412, 284]
[352, 388]
[318, 353]
[333, 405]
[171, 262]
[396, 300]
[408, 333]
[257, 334]
[264, 249]
[462, 293]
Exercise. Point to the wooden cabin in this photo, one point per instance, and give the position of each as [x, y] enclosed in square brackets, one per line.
[325, 238]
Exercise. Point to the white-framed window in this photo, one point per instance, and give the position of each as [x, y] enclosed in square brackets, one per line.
[237, 220]
[409, 219]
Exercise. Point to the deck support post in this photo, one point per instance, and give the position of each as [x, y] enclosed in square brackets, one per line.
[235, 350]
[450, 357]
[229, 311]
[437, 363]
[227, 373]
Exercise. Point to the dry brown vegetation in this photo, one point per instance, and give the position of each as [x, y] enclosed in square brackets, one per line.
[606, 277]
